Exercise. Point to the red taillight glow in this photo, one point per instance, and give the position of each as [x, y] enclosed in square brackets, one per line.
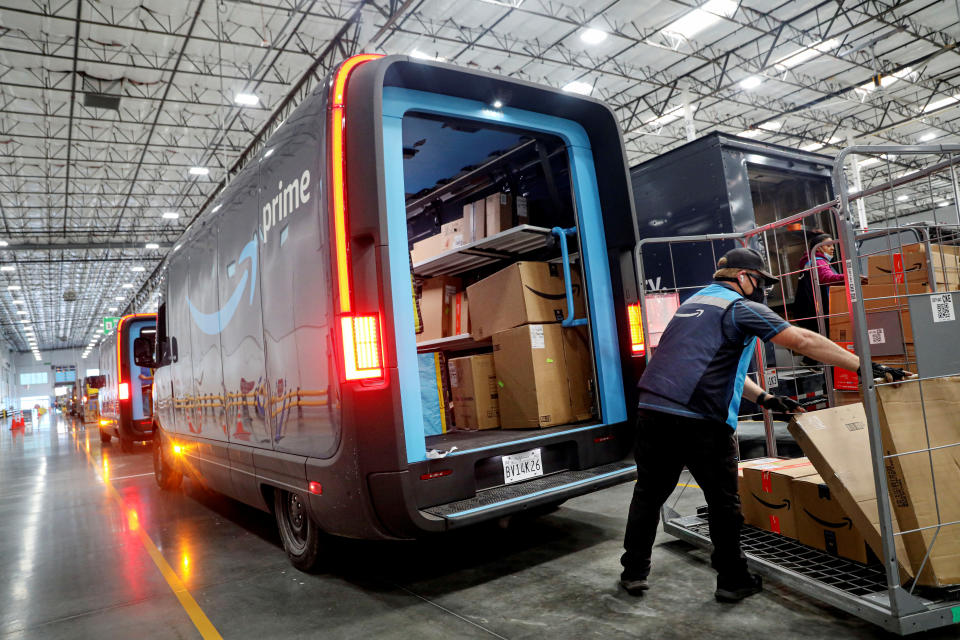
[316, 488]
[436, 474]
[362, 354]
[123, 391]
[636, 329]
[600, 439]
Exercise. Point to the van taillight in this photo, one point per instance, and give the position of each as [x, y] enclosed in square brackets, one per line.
[362, 351]
[636, 330]
[360, 333]
[123, 391]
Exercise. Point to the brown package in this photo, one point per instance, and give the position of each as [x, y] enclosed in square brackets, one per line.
[473, 383]
[436, 302]
[768, 491]
[822, 522]
[523, 293]
[543, 377]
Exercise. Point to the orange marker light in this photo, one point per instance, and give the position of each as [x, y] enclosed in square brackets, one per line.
[177, 449]
[636, 329]
[316, 488]
[123, 391]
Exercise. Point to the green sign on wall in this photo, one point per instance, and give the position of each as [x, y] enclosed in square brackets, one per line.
[109, 324]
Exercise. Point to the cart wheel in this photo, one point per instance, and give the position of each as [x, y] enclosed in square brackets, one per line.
[104, 436]
[300, 535]
[168, 476]
[126, 445]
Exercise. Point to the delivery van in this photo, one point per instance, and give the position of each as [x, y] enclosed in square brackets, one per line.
[412, 312]
[125, 398]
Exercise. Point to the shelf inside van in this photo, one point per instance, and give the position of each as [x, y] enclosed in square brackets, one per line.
[506, 245]
[462, 342]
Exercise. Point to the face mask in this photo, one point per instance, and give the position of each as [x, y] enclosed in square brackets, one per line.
[759, 294]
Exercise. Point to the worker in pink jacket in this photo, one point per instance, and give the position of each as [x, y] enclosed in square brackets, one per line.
[804, 304]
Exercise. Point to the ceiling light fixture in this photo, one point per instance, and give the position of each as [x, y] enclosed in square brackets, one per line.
[593, 36]
[775, 125]
[939, 104]
[903, 198]
[199, 171]
[701, 18]
[19, 302]
[578, 87]
[930, 135]
[813, 146]
[151, 245]
[138, 269]
[119, 298]
[807, 53]
[170, 215]
[420, 55]
[3, 243]
[8, 267]
[13, 287]
[751, 82]
[246, 99]
[111, 309]
[886, 81]
[497, 104]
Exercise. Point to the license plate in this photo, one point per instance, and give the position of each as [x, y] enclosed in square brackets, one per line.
[522, 466]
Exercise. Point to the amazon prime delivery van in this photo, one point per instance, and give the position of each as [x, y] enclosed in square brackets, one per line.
[126, 397]
[409, 313]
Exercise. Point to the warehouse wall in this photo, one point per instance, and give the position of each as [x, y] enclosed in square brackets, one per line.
[26, 363]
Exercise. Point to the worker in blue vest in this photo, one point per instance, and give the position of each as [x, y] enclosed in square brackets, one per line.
[689, 402]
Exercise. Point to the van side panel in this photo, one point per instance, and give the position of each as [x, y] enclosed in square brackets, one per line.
[178, 327]
[296, 269]
[203, 304]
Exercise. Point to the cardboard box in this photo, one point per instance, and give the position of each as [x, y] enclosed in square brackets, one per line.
[540, 376]
[459, 317]
[579, 363]
[436, 306]
[523, 293]
[837, 442]
[427, 248]
[475, 214]
[456, 233]
[912, 265]
[822, 522]
[923, 485]
[876, 298]
[768, 490]
[503, 211]
[749, 517]
[473, 385]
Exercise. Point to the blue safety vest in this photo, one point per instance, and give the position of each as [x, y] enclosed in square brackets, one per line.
[697, 371]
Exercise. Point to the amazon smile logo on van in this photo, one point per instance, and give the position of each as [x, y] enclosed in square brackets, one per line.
[213, 323]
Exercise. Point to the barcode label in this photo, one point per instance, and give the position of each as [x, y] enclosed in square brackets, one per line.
[770, 378]
[877, 336]
[942, 306]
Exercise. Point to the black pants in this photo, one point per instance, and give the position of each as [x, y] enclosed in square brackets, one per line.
[665, 444]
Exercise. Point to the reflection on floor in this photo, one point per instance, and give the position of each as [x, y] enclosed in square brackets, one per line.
[73, 564]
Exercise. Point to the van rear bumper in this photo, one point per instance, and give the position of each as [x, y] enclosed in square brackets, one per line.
[392, 500]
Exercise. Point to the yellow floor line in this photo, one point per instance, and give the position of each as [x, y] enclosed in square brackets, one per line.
[692, 486]
[199, 618]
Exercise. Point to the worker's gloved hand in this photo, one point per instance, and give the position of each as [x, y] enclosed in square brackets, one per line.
[887, 374]
[780, 404]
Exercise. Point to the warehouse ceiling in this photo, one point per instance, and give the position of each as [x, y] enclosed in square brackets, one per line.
[121, 118]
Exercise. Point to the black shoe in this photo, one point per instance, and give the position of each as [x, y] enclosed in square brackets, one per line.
[739, 588]
[634, 586]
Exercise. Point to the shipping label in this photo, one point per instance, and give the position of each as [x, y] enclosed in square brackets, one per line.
[536, 337]
[877, 336]
[942, 307]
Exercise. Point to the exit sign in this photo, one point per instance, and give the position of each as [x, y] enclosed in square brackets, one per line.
[109, 324]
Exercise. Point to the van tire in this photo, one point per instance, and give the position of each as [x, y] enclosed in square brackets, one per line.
[126, 445]
[168, 476]
[300, 535]
[104, 436]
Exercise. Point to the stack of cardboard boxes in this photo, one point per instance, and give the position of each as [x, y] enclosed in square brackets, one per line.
[789, 498]
[539, 374]
[891, 278]
[481, 219]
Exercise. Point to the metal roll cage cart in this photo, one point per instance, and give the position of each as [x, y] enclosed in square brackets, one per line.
[873, 592]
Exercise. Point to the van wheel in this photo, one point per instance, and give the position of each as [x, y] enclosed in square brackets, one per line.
[104, 436]
[168, 477]
[126, 445]
[300, 535]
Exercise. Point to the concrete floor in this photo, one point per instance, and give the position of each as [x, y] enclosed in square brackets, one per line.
[74, 563]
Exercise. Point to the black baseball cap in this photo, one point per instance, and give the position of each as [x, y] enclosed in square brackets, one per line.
[743, 258]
